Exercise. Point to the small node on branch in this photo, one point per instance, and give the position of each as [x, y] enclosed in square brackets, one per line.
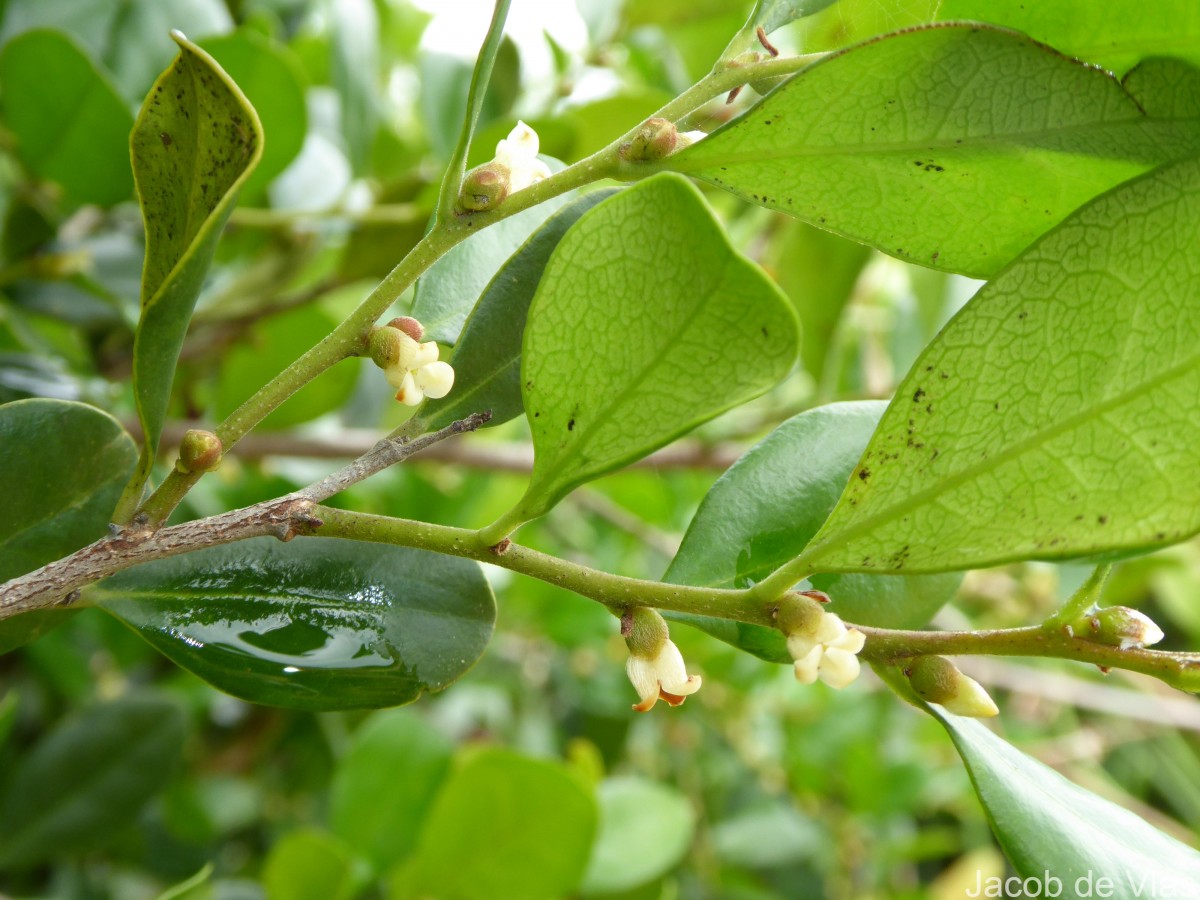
[501, 548]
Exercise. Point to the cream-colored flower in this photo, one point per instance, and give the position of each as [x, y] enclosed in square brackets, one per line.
[518, 153]
[830, 652]
[661, 677]
[655, 664]
[411, 367]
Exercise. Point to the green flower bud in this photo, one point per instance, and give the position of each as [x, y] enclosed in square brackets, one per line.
[937, 680]
[799, 614]
[655, 139]
[1117, 626]
[199, 451]
[484, 188]
[645, 632]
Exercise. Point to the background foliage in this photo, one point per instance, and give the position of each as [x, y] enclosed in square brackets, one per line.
[122, 774]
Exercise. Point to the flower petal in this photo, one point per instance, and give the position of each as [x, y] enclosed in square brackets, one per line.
[644, 676]
[409, 394]
[435, 379]
[426, 354]
[807, 666]
[830, 630]
[672, 672]
[839, 668]
[852, 641]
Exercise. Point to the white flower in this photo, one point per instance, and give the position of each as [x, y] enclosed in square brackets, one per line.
[830, 652]
[518, 153]
[661, 677]
[411, 367]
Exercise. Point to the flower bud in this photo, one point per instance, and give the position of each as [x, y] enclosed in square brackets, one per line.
[435, 379]
[485, 187]
[1117, 626]
[655, 138]
[409, 326]
[391, 348]
[937, 680]
[645, 632]
[199, 451]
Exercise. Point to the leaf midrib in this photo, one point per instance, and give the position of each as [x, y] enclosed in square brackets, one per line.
[777, 151]
[843, 537]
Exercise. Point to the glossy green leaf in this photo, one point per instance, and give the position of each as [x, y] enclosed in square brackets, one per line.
[273, 82]
[88, 777]
[505, 825]
[385, 784]
[268, 349]
[645, 830]
[195, 143]
[646, 323]
[1054, 416]
[447, 293]
[818, 271]
[766, 508]
[1044, 823]
[65, 466]
[983, 137]
[317, 623]
[1127, 32]
[356, 75]
[69, 123]
[487, 355]
[310, 865]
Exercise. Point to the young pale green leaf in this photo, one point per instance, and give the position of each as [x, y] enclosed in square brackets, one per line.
[1054, 416]
[952, 146]
[772, 14]
[487, 355]
[272, 80]
[645, 830]
[196, 141]
[1127, 32]
[446, 294]
[87, 778]
[310, 864]
[646, 323]
[766, 508]
[505, 825]
[65, 465]
[1046, 824]
[317, 623]
[385, 784]
[69, 123]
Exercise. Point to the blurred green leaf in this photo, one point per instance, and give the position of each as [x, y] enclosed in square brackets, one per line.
[767, 507]
[131, 37]
[852, 21]
[269, 348]
[198, 887]
[317, 623]
[1046, 824]
[926, 129]
[487, 355]
[645, 830]
[356, 75]
[1125, 34]
[385, 784]
[818, 271]
[65, 465]
[310, 865]
[70, 124]
[447, 293]
[1054, 415]
[195, 143]
[505, 825]
[88, 777]
[661, 334]
[273, 82]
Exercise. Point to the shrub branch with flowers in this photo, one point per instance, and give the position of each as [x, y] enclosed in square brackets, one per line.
[1054, 417]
